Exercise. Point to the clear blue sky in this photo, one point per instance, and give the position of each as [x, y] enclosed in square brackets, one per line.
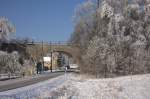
[48, 20]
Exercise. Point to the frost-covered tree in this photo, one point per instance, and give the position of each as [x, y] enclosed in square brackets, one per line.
[84, 23]
[9, 63]
[6, 29]
[116, 38]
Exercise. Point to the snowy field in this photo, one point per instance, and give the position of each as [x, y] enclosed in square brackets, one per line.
[75, 86]
[129, 87]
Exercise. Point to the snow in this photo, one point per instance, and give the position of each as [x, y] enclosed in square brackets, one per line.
[130, 87]
[106, 10]
[73, 86]
[41, 89]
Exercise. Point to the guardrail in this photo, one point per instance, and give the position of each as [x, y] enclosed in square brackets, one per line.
[8, 76]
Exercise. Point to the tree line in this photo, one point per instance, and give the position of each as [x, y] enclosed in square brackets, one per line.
[14, 57]
[114, 37]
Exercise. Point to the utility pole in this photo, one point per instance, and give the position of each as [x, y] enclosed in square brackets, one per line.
[42, 57]
[51, 60]
[51, 56]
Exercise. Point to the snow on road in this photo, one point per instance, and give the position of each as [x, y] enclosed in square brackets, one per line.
[35, 91]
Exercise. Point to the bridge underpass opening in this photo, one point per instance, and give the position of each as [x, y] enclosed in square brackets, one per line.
[58, 60]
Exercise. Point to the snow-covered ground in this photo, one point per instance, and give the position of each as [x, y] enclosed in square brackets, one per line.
[75, 86]
[129, 87]
[36, 91]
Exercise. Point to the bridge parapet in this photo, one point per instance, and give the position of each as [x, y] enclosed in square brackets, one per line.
[66, 43]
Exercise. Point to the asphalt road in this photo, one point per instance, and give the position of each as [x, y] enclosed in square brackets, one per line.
[13, 84]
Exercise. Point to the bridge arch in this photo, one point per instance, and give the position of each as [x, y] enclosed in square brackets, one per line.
[68, 49]
[71, 51]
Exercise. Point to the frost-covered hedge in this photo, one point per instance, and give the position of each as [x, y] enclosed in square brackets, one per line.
[9, 62]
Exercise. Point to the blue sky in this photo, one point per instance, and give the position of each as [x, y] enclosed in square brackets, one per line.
[48, 20]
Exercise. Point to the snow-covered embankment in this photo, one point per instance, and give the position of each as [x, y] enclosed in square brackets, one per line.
[36, 91]
[129, 87]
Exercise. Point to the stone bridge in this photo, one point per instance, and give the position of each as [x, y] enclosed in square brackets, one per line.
[40, 49]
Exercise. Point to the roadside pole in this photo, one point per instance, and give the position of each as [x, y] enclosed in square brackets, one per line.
[66, 73]
[51, 60]
[65, 80]
[42, 58]
[51, 56]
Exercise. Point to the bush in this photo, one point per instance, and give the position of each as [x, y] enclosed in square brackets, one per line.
[9, 63]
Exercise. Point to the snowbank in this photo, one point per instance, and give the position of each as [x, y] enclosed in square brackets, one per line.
[129, 87]
[36, 91]
[73, 86]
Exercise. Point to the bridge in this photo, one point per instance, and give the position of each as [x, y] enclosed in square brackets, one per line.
[39, 49]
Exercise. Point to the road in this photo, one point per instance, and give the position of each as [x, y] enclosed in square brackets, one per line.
[17, 83]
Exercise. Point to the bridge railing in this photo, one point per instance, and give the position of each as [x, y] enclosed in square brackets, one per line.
[52, 43]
